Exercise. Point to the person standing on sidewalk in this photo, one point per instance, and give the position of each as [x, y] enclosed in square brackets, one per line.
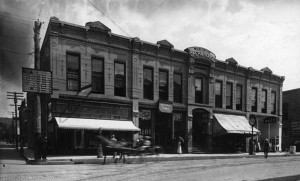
[99, 144]
[266, 147]
[179, 142]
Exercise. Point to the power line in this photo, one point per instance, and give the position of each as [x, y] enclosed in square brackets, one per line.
[155, 9]
[110, 19]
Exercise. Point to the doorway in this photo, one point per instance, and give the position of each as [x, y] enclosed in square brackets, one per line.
[200, 130]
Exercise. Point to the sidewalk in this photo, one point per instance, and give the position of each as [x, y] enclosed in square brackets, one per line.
[92, 159]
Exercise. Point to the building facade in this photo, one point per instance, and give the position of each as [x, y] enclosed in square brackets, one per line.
[164, 92]
[290, 119]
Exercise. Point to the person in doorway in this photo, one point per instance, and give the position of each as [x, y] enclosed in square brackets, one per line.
[179, 142]
[266, 148]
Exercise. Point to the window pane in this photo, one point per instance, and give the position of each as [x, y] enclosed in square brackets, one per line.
[148, 83]
[97, 65]
[218, 88]
[162, 79]
[72, 62]
[177, 88]
[120, 79]
[119, 69]
[198, 84]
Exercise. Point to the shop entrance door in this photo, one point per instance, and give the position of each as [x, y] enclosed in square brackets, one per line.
[200, 130]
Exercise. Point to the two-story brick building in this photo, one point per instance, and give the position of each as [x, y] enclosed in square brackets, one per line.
[125, 85]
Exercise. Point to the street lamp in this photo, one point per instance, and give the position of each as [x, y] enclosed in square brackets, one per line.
[252, 122]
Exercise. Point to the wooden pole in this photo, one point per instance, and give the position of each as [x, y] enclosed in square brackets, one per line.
[36, 29]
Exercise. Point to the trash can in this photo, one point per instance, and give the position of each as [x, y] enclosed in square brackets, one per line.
[293, 149]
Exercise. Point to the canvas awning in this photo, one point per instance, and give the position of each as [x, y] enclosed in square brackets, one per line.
[95, 124]
[226, 124]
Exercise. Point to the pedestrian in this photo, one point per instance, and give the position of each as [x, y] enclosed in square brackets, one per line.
[179, 142]
[99, 145]
[112, 138]
[266, 147]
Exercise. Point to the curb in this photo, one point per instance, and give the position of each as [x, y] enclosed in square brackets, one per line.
[139, 160]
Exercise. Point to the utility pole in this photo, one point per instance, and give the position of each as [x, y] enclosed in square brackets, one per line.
[16, 96]
[38, 127]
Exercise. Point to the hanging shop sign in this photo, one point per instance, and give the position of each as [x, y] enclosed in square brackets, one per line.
[165, 108]
[270, 119]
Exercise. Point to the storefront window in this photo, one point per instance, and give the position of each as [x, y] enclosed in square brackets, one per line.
[120, 79]
[145, 122]
[73, 72]
[178, 87]
[97, 75]
[163, 85]
[148, 83]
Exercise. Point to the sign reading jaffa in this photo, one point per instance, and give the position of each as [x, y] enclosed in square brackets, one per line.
[36, 81]
[199, 52]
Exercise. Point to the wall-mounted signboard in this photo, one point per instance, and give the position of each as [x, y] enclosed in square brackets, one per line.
[270, 119]
[36, 81]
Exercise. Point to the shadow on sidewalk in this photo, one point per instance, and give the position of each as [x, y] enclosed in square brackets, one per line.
[8, 152]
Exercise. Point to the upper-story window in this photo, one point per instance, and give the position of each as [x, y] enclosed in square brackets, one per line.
[199, 90]
[254, 99]
[273, 102]
[148, 83]
[73, 71]
[218, 94]
[163, 85]
[239, 94]
[264, 101]
[97, 75]
[228, 95]
[177, 87]
[120, 79]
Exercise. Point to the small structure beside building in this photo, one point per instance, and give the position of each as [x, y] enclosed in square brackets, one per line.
[291, 119]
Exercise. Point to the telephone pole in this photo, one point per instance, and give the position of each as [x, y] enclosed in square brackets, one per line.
[36, 29]
[16, 96]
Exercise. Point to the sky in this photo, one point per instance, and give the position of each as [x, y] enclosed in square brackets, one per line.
[256, 33]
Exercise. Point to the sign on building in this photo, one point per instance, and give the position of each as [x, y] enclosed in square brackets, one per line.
[36, 81]
[270, 119]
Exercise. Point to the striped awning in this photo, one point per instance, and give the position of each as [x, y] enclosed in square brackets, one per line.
[226, 124]
[95, 124]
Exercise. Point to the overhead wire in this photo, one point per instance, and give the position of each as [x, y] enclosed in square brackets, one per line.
[109, 18]
[155, 8]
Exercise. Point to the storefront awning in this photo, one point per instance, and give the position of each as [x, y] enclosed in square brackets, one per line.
[226, 124]
[95, 124]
